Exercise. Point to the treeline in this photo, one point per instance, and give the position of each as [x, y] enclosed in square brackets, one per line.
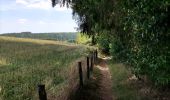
[136, 32]
[69, 36]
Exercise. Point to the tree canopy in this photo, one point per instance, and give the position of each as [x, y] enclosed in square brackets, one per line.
[136, 32]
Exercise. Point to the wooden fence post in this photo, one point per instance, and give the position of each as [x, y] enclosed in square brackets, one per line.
[80, 74]
[88, 68]
[91, 67]
[94, 59]
[96, 54]
[42, 92]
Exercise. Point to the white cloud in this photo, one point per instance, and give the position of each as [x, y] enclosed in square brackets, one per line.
[24, 2]
[22, 20]
[40, 4]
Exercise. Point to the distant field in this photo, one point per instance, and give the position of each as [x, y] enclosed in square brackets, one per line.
[67, 36]
[25, 63]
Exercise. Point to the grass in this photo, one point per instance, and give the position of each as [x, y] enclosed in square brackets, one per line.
[122, 87]
[25, 63]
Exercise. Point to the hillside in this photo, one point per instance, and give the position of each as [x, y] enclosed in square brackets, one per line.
[25, 63]
[67, 36]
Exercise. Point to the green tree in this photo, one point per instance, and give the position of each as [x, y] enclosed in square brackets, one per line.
[138, 31]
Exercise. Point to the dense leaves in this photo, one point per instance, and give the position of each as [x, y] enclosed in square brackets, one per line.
[137, 30]
[145, 39]
[103, 41]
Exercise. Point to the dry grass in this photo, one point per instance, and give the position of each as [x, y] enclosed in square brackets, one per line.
[125, 86]
[25, 63]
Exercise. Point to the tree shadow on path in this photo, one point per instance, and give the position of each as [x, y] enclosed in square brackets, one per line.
[95, 87]
[90, 90]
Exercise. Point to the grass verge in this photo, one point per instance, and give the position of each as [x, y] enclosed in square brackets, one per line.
[123, 87]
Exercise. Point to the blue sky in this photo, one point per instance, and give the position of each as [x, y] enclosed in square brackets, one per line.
[34, 16]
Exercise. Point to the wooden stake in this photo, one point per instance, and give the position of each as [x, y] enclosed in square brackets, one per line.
[91, 67]
[88, 68]
[42, 92]
[80, 74]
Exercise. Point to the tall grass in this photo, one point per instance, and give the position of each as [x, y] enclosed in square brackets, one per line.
[123, 88]
[25, 63]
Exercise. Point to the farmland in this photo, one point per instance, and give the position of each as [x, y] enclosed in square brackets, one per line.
[25, 63]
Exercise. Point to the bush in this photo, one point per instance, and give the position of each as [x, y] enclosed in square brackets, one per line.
[82, 38]
[142, 37]
[104, 43]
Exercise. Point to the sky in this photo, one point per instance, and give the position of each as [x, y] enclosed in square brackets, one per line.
[34, 16]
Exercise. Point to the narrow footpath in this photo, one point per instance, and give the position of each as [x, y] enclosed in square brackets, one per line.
[105, 82]
[98, 86]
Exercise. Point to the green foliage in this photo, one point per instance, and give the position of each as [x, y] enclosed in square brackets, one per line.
[104, 42]
[139, 30]
[143, 32]
[117, 50]
[82, 39]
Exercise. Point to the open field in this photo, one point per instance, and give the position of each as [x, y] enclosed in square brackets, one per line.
[25, 63]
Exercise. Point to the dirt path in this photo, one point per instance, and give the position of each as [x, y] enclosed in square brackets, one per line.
[98, 87]
[105, 82]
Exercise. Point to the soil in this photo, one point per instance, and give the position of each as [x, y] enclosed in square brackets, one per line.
[105, 82]
[98, 87]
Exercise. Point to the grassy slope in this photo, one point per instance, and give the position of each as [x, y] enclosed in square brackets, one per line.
[24, 63]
